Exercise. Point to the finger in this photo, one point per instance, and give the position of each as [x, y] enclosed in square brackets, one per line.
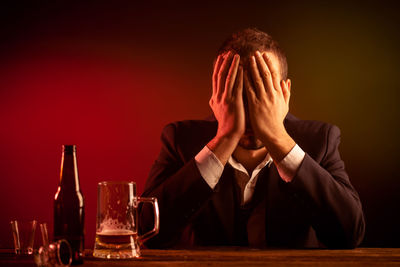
[285, 91]
[231, 78]
[264, 72]
[238, 87]
[275, 75]
[222, 73]
[217, 66]
[255, 74]
[250, 93]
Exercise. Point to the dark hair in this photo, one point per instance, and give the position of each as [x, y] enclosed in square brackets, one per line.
[246, 42]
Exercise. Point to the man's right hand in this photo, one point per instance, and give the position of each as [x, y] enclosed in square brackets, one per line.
[227, 104]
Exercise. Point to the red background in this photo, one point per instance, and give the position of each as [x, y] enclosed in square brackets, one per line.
[107, 77]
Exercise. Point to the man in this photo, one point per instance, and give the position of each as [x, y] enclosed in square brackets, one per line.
[253, 175]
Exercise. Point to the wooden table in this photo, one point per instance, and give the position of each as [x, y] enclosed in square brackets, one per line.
[240, 257]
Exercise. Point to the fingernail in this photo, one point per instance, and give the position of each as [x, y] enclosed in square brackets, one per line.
[258, 53]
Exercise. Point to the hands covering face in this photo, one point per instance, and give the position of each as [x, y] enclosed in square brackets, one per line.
[227, 97]
[267, 97]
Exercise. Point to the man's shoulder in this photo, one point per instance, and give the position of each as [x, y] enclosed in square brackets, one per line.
[188, 137]
[188, 133]
[307, 127]
[311, 135]
[192, 126]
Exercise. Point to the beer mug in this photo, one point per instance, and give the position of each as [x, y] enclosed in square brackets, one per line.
[117, 221]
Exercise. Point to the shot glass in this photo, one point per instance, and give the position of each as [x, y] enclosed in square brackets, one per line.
[24, 236]
[57, 254]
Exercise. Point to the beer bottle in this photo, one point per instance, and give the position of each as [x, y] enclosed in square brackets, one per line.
[69, 209]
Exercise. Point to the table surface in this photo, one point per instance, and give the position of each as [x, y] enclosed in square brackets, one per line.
[239, 257]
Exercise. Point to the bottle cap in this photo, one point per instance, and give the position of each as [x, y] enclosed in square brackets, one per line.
[69, 148]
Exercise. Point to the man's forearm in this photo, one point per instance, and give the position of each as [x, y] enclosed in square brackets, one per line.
[279, 145]
[223, 147]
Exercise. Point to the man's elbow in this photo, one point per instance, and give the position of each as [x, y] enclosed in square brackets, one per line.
[345, 237]
[357, 235]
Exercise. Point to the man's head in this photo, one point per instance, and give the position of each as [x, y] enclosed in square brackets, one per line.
[245, 43]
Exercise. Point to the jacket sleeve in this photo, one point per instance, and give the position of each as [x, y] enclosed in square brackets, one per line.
[180, 189]
[337, 215]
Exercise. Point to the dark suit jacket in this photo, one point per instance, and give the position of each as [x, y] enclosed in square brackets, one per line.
[319, 207]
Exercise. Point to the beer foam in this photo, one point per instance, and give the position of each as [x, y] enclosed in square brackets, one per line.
[113, 225]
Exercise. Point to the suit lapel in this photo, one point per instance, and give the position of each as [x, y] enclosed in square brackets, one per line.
[224, 201]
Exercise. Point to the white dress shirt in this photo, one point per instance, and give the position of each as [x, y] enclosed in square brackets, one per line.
[211, 168]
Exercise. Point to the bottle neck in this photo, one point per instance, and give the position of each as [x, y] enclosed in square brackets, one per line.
[69, 179]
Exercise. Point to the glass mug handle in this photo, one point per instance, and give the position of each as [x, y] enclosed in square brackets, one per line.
[142, 238]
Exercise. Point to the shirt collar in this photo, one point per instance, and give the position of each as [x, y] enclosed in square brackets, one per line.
[238, 166]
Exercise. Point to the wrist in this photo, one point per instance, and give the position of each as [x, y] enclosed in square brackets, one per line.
[275, 137]
[279, 145]
[231, 137]
[223, 146]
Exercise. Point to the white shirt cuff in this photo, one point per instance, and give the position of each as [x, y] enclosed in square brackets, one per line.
[289, 166]
[209, 166]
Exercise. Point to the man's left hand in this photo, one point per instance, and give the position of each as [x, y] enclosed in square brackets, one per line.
[268, 103]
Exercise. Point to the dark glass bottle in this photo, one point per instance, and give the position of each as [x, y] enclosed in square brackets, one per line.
[69, 209]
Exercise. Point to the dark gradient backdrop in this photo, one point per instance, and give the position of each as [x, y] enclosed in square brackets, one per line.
[109, 76]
